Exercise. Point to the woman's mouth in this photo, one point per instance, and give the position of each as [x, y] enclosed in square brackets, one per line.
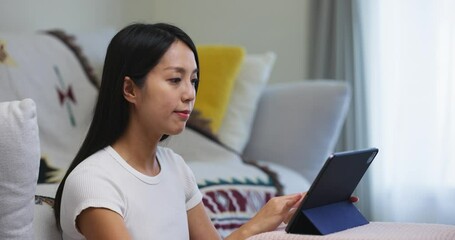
[185, 114]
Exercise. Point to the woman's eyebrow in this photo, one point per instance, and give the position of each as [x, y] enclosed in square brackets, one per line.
[180, 69]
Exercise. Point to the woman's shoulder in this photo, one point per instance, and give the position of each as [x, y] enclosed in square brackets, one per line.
[96, 163]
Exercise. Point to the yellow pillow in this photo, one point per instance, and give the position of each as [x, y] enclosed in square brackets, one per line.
[219, 66]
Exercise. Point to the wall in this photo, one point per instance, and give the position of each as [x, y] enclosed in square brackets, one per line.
[259, 25]
[79, 15]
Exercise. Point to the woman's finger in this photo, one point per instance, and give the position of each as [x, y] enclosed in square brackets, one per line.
[289, 216]
[294, 200]
[354, 199]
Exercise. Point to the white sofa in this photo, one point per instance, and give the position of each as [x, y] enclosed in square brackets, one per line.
[295, 127]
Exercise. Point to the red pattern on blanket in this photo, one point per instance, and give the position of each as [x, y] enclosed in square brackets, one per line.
[229, 207]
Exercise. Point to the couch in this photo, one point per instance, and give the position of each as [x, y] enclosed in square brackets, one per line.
[272, 139]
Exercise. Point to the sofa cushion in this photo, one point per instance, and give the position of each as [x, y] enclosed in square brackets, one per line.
[219, 66]
[249, 85]
[19, 164]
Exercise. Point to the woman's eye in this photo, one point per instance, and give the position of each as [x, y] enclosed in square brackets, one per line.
[175, 80]
[194, 81]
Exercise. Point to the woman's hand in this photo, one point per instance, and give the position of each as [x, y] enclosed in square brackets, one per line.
[275, 211]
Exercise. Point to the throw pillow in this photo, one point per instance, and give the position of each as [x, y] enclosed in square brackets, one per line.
[251, 81]
[19, 165]
[219, 66]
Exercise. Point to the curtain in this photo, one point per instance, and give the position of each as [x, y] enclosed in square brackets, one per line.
[337, 53]
[410, 59]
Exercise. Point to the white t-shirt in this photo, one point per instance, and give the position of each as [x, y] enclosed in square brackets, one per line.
[152, 207]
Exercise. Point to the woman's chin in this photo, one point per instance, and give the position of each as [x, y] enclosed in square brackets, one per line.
[176, 131]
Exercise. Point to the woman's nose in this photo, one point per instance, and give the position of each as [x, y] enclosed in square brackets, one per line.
[189, 92]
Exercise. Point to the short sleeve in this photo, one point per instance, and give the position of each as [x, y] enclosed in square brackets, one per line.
[192, 194]
[87, 187]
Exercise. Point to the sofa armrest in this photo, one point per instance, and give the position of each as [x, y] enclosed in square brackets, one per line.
[297, 124]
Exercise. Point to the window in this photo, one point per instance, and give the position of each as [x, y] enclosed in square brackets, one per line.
[410, 66]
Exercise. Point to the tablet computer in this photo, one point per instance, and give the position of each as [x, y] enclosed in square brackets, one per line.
[327, 208]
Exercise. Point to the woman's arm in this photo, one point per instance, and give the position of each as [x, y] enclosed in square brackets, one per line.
[100, 224]
[200, 225]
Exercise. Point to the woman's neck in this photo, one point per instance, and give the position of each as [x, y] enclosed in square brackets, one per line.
[139, 151]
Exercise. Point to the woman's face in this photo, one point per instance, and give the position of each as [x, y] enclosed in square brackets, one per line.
[167, 98]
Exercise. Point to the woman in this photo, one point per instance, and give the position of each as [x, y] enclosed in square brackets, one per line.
[121, 184]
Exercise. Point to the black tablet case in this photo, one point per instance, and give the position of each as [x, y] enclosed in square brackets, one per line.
[327, 207]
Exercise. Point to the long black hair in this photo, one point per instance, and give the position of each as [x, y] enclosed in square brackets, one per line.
[132, 52]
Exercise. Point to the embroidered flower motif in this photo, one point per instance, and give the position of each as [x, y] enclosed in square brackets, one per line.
[63, 95]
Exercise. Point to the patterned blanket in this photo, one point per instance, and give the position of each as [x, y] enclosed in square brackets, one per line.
[43, 68]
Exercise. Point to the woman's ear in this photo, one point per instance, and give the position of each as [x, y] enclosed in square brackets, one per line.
[129, 90]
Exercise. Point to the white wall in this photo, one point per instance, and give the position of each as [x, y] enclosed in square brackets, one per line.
[77, 15]
[259, 25]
